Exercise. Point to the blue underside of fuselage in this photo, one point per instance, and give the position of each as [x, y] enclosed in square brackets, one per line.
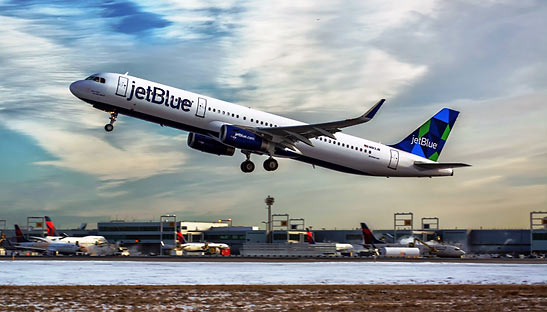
[185, 127]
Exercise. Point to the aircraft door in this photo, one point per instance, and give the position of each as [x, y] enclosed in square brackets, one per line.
[202, 105]
[394, 160]
[122, 86]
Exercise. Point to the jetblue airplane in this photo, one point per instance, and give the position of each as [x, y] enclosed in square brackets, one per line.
[219, 127]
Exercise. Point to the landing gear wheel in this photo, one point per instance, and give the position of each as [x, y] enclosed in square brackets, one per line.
[247, 166]
[108, 127]
[270, 164]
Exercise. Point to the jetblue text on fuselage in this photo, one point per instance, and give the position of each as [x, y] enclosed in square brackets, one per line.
[423, 141]
[159, 96]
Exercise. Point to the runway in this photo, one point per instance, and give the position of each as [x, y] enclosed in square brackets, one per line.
[53, 272]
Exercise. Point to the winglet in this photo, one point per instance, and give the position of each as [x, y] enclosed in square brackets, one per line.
[371, 112]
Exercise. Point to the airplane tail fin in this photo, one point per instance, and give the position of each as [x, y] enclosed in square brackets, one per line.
[368, 237]
[180, 238]
[50, 227]
[309, 237]
[19, 237]
[428, 140]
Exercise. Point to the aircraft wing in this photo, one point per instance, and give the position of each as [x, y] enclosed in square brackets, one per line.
[288, 136]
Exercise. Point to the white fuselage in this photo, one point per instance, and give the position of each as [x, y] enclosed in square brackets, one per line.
[202, 246]
[84, 241]
[51, 247]
[197, 113]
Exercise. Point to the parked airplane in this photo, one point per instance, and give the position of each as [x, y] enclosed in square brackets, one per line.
[41, 244]
[219, 127]
[85, 241]
[340, 247]
[440, 250]
[194, 247]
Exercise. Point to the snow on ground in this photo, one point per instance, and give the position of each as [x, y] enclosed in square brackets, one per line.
[42, 272]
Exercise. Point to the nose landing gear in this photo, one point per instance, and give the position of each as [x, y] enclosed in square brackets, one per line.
[110, 126]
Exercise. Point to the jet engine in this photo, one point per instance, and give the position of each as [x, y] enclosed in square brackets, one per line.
[243, 139]
[208, 145]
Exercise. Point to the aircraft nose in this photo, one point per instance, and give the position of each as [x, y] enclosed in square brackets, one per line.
[75, 87]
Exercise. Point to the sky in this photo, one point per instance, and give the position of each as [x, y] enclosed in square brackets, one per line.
[314, 61]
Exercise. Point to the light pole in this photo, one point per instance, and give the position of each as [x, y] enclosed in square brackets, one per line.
[269, 202]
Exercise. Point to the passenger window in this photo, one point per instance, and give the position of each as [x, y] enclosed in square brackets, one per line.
[262, 123]
[369, 152]
[214, 110]
[233, 115]
[251, 119]
[244, 118]
[237, 116]
[360, 150]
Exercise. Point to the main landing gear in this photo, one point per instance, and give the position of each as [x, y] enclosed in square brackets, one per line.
[110, 126]
[247, 166]
[270, 164]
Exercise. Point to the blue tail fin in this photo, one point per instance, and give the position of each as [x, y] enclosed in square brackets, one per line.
[428, 140]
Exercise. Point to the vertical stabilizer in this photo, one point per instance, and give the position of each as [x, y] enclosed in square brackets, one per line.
[368, 237]
[180, 238]
[19, 237]
[309, 237]
[428, 140]
[50, 226]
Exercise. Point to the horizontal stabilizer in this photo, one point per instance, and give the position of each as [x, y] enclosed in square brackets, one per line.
[427, 165]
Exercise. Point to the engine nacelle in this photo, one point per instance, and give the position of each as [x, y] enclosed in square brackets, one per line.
[242, 139]
[208, 145]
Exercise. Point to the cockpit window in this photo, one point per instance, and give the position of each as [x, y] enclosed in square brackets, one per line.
[96, 78]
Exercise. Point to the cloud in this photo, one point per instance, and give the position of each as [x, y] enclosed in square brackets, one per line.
[473, 50]
[39, 69]
[286, 58]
